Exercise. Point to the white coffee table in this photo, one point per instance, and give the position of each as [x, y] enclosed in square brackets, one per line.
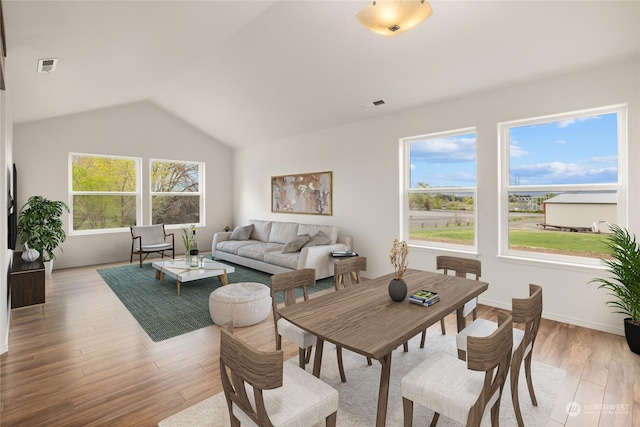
[179, 270]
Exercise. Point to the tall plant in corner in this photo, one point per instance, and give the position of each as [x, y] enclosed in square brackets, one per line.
[624, 281]
[40, 225]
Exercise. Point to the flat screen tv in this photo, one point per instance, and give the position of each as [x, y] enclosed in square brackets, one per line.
[13, 211]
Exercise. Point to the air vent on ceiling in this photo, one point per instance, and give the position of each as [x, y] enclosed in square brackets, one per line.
[47, 65]
[371, 104]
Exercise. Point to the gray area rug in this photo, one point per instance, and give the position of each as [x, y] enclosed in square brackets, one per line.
[160, 311]
[359, 395]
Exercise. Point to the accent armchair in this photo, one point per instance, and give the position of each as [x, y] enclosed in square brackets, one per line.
[147, 239]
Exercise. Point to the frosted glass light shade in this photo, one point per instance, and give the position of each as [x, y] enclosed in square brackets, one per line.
[391, 17]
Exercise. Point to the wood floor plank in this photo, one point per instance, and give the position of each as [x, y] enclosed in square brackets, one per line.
[89, 363]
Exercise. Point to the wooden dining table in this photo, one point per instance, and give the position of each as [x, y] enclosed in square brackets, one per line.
[365, 320]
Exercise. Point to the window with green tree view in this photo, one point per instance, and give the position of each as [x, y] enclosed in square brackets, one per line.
[440, 189]
[104, 192]
[177, 194]
[563, 182]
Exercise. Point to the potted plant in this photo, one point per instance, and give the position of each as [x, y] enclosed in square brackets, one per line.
[624, 281]
[40, 226]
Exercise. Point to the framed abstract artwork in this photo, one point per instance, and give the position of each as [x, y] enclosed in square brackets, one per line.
[305, 193]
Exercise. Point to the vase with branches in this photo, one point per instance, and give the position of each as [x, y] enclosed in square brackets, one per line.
[398, 257]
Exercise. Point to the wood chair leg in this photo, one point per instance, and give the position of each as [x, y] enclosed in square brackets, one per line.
[301, 357]
[331, 420]
[423, 339]
[308, 355]
[514, 374]
[495, 414]
[278, 341]
[405, 346]
[343, 377]
[475, 313]
[369, 361]
[407, 409]
[527, 370]
[444, 331]
[434, 420]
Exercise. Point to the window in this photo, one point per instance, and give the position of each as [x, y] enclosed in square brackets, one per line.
[177, 193]
[104, 192]
[440, 190]
[562, 182]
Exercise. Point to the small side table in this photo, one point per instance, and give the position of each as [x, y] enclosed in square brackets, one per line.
[27, 285]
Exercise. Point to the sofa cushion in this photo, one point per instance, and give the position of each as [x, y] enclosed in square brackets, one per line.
[232, 246]
[295, 244]
[312, 230]
[282, 232]
[261, 230]
[318, 239]
[258, 250]
[241, 232]
[288, 260]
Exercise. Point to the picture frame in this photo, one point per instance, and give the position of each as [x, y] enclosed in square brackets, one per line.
[304, 193]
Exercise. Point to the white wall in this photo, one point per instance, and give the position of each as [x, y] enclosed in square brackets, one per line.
[364, 158]
[139, 130]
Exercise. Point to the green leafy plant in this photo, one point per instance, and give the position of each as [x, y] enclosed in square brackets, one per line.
[40, 225]
[624, 267]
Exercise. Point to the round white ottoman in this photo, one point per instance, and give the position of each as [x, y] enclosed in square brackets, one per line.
[244, 303]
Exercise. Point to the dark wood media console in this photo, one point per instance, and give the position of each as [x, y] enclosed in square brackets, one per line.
[27, 284]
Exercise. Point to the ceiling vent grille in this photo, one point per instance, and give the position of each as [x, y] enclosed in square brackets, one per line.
[47, 65]
[375, 103]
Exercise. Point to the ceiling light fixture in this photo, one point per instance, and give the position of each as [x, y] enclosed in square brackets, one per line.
[391, 17]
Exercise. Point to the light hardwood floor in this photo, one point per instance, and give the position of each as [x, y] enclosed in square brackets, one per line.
[90, 363]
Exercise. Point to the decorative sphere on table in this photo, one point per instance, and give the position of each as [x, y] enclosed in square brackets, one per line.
[397, 290]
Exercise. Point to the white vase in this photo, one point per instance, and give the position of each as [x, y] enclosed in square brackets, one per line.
[30, 254]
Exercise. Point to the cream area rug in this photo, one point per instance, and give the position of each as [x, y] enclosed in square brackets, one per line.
[359, 395]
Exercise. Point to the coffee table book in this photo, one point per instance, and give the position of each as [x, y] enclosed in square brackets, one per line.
[424, 297]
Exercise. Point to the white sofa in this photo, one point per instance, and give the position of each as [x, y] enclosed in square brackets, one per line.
[273, 246]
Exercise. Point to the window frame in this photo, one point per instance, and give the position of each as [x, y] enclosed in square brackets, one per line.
[505, 186]
[406, 190]
[72, 193]
[200, 193]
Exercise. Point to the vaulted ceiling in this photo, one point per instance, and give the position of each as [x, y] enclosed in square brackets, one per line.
[248, 72]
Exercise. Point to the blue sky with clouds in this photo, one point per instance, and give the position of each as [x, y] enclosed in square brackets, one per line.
[577, 151]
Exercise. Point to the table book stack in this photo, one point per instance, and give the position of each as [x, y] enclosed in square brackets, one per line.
[424, 297]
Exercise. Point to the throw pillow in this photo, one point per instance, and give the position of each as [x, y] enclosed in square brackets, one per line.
[318, 239]
[295, 244]
[241, 232]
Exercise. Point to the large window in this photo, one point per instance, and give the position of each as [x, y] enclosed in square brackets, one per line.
[104, 192]
[562, 183]
[440, 189]
[177, 193]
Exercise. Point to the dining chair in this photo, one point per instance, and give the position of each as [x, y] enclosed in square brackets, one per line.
[461, 267]
[346, 273]
[462, 390]
[261, 390]
[525, 311]
[287, 283]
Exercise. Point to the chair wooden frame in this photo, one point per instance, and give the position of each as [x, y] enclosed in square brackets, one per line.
[346, 271]
[139, 247]
[492, 355]
[526, 311]
[461, 267]
[287, 283]
[261, 370]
